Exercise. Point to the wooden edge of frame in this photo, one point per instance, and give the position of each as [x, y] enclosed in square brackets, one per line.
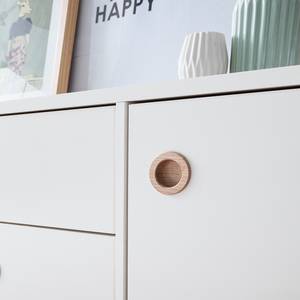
[68, 45]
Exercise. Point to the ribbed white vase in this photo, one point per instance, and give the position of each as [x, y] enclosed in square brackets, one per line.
[203, 54]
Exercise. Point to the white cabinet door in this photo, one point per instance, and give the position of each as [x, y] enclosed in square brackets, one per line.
[55, 265]
[56, 169]
[234, 232]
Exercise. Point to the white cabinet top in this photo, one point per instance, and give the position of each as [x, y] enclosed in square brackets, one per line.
[287, 77]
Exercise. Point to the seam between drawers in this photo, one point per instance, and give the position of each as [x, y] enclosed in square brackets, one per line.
[58, 229]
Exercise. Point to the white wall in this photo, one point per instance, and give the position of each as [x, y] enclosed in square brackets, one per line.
[141, 48]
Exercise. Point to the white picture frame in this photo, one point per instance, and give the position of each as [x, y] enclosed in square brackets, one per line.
[58, 56]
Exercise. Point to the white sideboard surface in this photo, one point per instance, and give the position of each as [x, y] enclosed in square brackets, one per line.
[183, 190]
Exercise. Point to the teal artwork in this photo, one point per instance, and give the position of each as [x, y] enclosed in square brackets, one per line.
[24, 32]
[265, 34]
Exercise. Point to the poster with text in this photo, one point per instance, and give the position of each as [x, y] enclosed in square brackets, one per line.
[130, 42]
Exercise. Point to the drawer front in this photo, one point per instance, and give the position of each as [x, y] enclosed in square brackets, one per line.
[233, 232]
[57, 169]
[44, 264]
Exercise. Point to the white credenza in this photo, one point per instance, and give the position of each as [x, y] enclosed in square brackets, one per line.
[95, 204]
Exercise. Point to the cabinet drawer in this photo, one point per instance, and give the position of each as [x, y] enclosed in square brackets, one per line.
[56, 169]
[233, 232]
[48, 264]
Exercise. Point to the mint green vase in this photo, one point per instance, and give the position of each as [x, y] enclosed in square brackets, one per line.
[265, 34]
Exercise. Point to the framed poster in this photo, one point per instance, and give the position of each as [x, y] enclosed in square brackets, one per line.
[130, 42]
[36, 43]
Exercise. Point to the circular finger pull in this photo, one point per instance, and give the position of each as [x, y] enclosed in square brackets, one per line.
[170, 173]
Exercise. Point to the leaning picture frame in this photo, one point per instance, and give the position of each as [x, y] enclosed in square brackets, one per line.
[36, 45]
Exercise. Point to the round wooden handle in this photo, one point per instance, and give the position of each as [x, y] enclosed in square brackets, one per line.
[170, 173]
